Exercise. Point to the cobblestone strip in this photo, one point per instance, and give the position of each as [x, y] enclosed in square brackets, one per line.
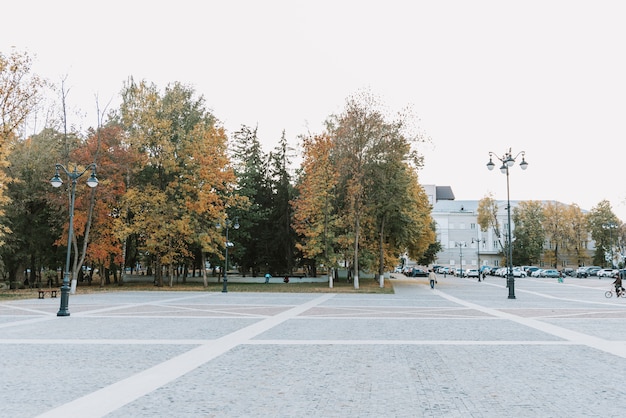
[611, 347]
[112, 397]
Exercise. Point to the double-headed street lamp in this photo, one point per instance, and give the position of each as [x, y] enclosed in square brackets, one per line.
[57, 182]
[508, 161]
[228, 225]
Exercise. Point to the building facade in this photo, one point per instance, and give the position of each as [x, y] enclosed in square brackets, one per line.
[463, 244]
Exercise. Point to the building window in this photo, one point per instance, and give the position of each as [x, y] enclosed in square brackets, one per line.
[472, 226]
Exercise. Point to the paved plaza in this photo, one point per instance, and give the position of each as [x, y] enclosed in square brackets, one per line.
[461, 350]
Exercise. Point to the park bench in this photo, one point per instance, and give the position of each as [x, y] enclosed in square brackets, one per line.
[42, 293]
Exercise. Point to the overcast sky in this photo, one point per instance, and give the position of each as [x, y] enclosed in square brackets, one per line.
[544, 77]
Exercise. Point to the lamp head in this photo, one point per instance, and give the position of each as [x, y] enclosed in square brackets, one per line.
[523, 164]
[92, 181]
[56, 180]
[490, 164]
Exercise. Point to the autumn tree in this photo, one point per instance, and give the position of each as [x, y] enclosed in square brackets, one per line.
[576, 244]
[20, 92]
[173, 130]
[488, 218]
[556, 229]
[314, 218]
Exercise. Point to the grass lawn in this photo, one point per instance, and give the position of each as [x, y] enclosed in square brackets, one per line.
[365, 286]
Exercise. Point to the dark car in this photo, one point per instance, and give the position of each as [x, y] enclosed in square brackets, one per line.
[418, 272]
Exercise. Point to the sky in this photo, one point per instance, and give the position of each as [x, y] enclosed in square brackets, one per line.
[547, 78]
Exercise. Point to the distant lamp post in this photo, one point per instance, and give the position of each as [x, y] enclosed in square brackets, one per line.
[478, 241]
[508, 161]
[228, 224]
[57, 182]
[461, 244]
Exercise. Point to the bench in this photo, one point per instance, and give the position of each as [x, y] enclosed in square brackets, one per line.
[42, 293]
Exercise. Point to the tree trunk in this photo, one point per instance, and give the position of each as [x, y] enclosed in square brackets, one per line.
[205, 283]
[356, 252]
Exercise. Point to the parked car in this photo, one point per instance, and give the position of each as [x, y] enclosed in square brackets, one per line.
[568, 271]
[593, 271]
[552, 273]
[472, 273]
[537, 273]
[586, 271]
[418, 272]
[518, 272]
[530, 269]
[606, 272]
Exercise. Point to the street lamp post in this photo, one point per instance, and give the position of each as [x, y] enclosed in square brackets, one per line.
[57, 182]
[508, 161]
[478, 241]
[228, 224]
[461, 244]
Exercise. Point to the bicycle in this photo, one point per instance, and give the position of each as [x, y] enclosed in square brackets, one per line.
[609, 293]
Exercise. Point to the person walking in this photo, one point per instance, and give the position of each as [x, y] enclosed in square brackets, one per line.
[268, 276]
[432, 278]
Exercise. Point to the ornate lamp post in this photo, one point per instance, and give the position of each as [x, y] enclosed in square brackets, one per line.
[57, 182]
[508, 161]
[228, 225]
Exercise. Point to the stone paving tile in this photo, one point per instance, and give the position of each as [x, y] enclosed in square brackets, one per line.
[393, 329]
[416, 353]
[396, 381]
[37, 377]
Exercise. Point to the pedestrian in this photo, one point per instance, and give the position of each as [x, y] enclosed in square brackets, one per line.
[432, 278]
[268, 276]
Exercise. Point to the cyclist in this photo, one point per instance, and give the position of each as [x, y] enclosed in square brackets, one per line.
[618, 283]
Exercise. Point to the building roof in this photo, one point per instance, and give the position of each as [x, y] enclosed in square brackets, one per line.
[444, 193]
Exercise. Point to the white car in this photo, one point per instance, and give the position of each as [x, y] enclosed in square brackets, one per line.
[606, 272]
[518, 272]
[537, 273]
[471, 273]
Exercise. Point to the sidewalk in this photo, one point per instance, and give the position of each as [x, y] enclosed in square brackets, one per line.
[462, 349]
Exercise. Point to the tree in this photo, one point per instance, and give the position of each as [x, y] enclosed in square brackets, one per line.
[556, 229]
[488, 217]
[528, 218]
[314, 218]
[177, 193]
[19, 96]
[31, 217]
[365, 140]
[280, 231]
[599, 220]
[577, 241]
[251, 167]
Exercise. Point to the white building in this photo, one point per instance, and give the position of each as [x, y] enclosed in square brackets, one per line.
[463, 244]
